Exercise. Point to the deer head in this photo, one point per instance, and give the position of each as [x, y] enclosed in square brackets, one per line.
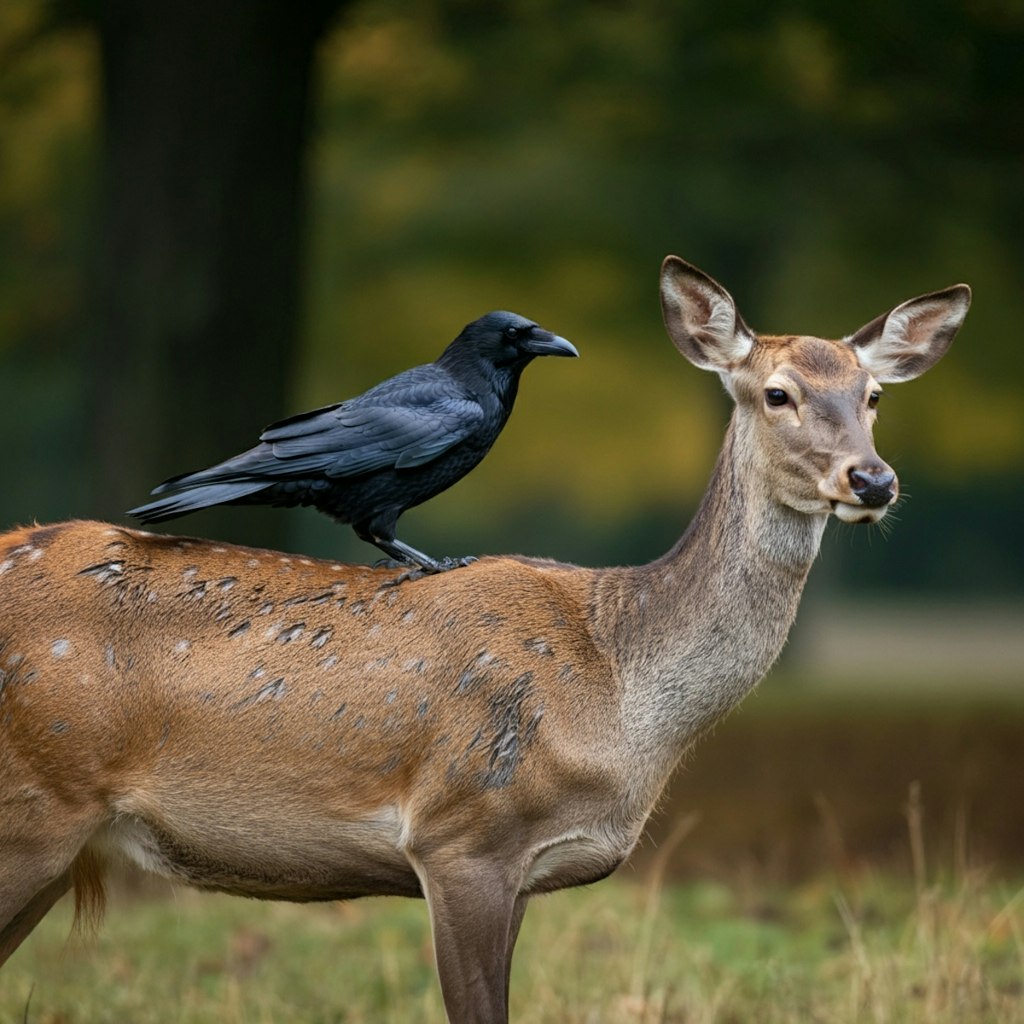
[806, 407]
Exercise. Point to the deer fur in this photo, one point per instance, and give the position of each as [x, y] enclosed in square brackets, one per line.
[275, 726]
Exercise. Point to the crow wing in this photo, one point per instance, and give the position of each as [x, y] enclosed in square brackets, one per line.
[398, 424]
[403, 422]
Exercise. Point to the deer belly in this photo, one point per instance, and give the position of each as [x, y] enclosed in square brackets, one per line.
[326, 860]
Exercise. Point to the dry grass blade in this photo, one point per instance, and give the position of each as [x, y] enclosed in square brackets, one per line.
[654, 886]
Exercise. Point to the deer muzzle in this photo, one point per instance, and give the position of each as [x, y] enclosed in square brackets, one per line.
[875, 487]
[861, 490]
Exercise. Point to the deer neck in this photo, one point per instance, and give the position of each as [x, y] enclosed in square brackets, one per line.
[698, 628]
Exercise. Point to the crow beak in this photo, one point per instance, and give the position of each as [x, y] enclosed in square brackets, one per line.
[542, 343]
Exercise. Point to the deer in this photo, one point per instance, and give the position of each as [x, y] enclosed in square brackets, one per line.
[287, 728]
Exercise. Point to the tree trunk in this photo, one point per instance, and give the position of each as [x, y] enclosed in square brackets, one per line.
[198, 273]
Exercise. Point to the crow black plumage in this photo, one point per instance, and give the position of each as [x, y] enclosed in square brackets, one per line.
[366, 460]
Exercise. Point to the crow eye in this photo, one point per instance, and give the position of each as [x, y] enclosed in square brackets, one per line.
[775, 396]
[511, 333]
[873, 399]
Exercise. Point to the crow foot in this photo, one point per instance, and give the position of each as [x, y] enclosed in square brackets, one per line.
[417, 570]
[391, 563]
[452, 563]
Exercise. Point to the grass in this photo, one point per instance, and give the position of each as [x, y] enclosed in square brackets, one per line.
[873, 947]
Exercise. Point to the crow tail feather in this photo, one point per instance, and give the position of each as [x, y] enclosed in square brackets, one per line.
[193, 499]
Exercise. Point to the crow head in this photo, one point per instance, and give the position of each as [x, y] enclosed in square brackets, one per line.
[507, 339]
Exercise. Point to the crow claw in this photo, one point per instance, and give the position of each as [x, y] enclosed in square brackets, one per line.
[391, 563]
[415, 571]
[444, 564]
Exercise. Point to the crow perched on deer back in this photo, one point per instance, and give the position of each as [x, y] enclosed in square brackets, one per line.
[366, 460]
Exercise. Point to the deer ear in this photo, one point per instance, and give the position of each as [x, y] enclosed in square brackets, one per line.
[701, 317]
[913, 337]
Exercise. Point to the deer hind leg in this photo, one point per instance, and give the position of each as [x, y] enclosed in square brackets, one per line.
[23, 907]
[475, 914]
[30, 885]
[43, 853]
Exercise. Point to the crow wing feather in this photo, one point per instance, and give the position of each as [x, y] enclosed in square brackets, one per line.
[400, 426]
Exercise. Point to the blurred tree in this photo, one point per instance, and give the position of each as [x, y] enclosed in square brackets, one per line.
[823, 161]
[205, 113]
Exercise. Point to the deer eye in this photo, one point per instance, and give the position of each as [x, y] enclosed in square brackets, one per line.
[873, 399]
[775, 396]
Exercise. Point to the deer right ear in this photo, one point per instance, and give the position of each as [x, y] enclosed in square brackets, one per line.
[701, 317]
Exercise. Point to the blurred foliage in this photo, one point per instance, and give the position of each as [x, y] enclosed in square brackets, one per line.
[824, 162]
[47, 142]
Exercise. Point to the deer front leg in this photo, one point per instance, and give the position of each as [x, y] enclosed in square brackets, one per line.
[518, 912]
[475, 914]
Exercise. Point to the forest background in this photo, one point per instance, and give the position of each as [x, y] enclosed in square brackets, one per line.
[212, 216]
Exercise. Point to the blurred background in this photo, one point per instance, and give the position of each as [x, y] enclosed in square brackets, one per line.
[214, 215]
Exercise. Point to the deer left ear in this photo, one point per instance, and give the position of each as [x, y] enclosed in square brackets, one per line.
[913, 337]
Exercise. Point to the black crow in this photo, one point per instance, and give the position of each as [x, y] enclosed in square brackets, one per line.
[366, 460]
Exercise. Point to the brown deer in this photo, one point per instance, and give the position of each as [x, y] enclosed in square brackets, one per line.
[284, 728]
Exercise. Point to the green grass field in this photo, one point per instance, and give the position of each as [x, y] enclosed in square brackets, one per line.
[870, 949]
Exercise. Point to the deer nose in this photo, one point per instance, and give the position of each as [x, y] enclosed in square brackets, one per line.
[873, 486]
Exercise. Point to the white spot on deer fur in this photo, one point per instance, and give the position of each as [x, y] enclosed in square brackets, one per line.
[409, 616]
[59, 648]
[7, 563]
[321, 637]
[218, 550]
[374, 629]
[305, 561]
[105, 572]
[336, 568]
[190, 572]
[286, 636]
[35, 553]
[253, 563]
[182, 646]
[284, 560]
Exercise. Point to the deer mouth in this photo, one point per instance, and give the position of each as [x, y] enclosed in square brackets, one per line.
[850, 512]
